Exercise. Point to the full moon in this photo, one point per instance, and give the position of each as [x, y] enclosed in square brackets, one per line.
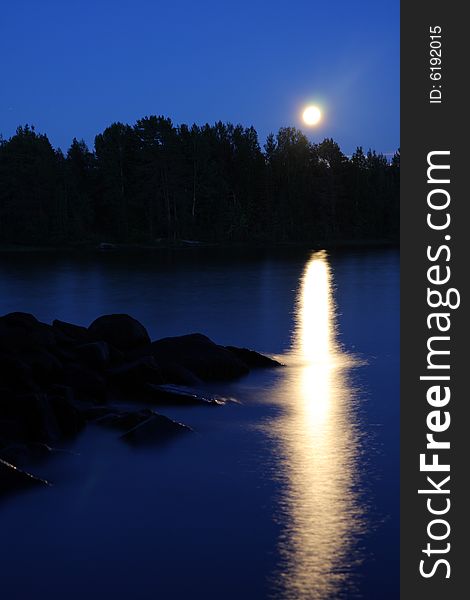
[311, 115]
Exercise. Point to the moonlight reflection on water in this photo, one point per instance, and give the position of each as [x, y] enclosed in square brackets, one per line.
[195, 518]
[318, 449]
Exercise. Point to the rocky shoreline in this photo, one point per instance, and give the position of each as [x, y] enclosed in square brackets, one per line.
[55, 379]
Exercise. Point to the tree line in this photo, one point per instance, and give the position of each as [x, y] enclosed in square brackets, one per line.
[213, 183]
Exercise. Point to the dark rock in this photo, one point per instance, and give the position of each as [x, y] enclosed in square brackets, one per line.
[64, 354]
[68, 416]
[29, 417]
[137, 373]
[11, 429]
[141, 427]
[60, 339]
[44, 336]
[57, 378]
[64, 391]
[14, 479]
[124, 420]
[21, 454]
[106, 246]
[73, 332]
[173, 373]
[199, 355]
[16, 374]
[15, 453]
[121, 331]
[40, 417]
[116, 357]
[36, 415]
[21, 334]
[88, 384]
[93, 413]
[156, 429]
[176, 395]
[94, 354]
[253, 359]
[8, 403]
[20, 319]
[45, 367]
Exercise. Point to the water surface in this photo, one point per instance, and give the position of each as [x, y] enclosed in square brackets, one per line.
[290, 492]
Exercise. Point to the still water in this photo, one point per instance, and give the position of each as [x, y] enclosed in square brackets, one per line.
[290, 491]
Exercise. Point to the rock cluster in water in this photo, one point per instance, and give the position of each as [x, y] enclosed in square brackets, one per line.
[54, 379]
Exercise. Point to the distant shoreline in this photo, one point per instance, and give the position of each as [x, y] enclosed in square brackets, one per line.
[105, 247]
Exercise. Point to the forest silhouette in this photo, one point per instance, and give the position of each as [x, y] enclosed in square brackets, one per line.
[155, 182]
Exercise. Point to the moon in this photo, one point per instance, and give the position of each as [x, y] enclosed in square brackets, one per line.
[311, 115]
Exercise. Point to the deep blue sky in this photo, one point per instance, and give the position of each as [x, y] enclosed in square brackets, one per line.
[71, 68]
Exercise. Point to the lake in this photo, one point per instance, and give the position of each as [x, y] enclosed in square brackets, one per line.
[288, 491]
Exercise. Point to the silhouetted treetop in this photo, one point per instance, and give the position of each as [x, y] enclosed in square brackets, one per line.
[156, 180]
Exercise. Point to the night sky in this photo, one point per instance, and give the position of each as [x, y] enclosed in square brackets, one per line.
[71, 68]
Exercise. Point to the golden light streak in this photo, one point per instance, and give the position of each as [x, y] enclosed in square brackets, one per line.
[319, 444]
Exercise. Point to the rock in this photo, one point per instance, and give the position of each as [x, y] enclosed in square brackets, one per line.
[34, 417]
[136, 374]
[106, 246]
[88, 384]
[177, 396]
[14, 479]
[64, 391]
[176, 374]
[55, 379]
[141, 427]
[94, 354]
[69, 418]
[16, 374]
[40, 417]
[121, 331]
[124, 420]
[20, 332]
[11, 429]
[73, 332]
[24, 454]
[92, 414]
[171, 372]
[253, 359]
[20, 319]
[156, 429]
[46, 368]
[201, 356]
